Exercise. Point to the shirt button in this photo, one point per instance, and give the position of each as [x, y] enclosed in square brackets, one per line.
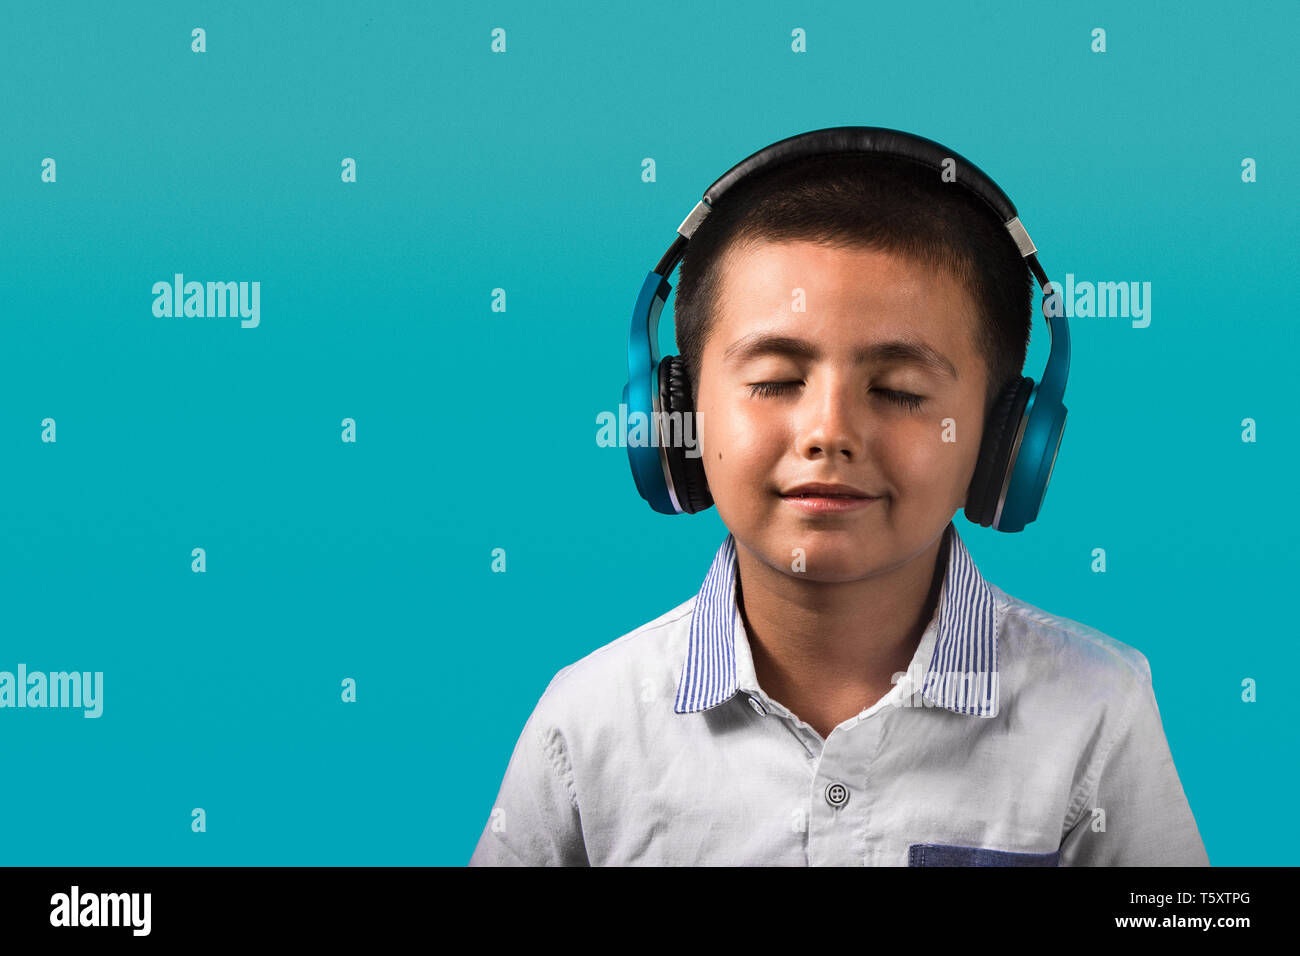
[837, 794]
[758, 708]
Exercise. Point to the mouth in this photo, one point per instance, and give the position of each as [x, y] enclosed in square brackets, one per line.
[828, 504]
[815, 498]
[818, 489]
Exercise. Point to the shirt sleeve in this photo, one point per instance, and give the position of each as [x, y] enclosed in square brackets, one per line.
[534, 821]
[1147, 820]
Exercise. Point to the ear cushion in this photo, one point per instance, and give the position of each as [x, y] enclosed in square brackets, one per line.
[689, 481]
[995, 450]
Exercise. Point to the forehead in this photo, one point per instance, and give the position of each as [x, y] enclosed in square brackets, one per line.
[852, 296]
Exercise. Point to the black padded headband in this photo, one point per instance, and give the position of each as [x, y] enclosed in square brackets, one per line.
[875, 140]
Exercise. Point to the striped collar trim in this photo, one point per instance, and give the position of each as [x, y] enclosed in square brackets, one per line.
[962, 676]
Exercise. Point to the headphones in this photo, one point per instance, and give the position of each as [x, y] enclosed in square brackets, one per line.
[1022, 435]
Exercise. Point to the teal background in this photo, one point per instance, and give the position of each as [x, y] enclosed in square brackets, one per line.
[476, 429]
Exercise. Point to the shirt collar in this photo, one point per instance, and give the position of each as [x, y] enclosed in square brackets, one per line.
[962, 675]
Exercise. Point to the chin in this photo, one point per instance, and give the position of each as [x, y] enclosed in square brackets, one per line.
[829, 554]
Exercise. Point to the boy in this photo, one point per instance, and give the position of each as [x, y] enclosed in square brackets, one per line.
[845, 688]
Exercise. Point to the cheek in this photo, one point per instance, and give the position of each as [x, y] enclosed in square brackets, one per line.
[750, 444]
[917, 455]
[741, 432]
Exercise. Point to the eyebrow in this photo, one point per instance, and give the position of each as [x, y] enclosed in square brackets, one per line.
[893, 351]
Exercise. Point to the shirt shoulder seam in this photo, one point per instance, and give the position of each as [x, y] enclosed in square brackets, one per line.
[557, 755]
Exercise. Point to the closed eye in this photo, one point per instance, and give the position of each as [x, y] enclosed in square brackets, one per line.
[906, 399]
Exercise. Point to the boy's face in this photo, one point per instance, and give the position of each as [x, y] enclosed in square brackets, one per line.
[836, 421]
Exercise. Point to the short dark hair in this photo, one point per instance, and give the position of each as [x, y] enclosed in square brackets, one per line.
[875, 202]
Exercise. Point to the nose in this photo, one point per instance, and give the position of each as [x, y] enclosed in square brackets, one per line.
[830, 419]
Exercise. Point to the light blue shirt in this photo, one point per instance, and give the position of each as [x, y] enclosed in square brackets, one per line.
[1015, 738]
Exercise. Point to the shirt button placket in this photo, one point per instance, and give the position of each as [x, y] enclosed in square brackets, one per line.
[840, 800]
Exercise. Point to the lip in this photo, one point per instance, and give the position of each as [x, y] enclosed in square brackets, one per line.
[818, 489]
[819, 506]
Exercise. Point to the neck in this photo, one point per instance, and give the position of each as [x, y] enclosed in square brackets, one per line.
[828, 650]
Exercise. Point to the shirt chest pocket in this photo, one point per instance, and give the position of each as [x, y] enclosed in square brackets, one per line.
[944, 854]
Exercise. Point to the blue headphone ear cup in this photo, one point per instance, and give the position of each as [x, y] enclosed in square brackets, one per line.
[686, 473]
[995, 450]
